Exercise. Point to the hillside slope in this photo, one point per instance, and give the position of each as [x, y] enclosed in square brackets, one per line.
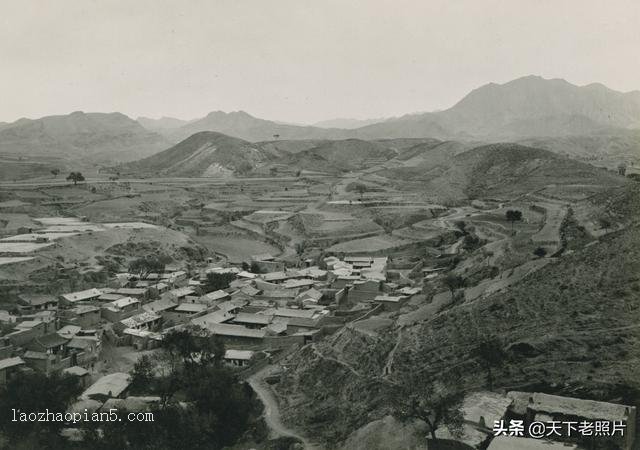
[206, 154]
[454, 170]
[570, 328]
[340, 156]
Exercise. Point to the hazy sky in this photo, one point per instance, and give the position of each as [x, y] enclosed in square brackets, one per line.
[300, 60]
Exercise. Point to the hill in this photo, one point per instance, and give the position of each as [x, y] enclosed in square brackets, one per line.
[206, 154]
[528, 106]
[244, 126]
[340, 156]
[95, 137]
[161, 125]
[458, 170]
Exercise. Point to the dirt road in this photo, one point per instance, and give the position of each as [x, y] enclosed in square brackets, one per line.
[272, 410]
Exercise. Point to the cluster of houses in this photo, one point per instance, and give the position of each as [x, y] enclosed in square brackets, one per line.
[267, 311]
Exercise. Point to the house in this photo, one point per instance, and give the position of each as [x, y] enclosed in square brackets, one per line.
[29, 330]
[120, 309]
[51, 344]
[310, 296]
[73, 298]
[161, 306]
[113, 385]
[141, 293]
[161, 288]
[212, 318]
[277, 277]
[237, 334]
[183, 311]
[89, 346]
[251, 320]
[142, 339]
[359, 262]
[546, 407]
[109, 297]
[299, 283]
[179, 294]
[390, 302]
[84, 378]
[238, 358]
[85, 316]
[36, 302]
[145, 321]
[215, 297]
[9, 367]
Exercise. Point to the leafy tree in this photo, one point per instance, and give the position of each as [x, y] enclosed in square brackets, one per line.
[142, 374]
[605, 223]
[453, 282]
[513, 215]
[216, 281]
[75, 177]
[55, 172]
[149, 264]
[34, 392]
[435, 403]
[491, 355]
[255, 267]
[189, 367]
[540, 252]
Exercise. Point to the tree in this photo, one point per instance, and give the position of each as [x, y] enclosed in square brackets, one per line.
[75, 177]
[513, 215]
[491, 355]
[453, 282]
[605, 223]
[622, 169]
[217, 281]
[34, 392]
[55, 172]
[435, 403]
[142, 374]
[360, 189]
[540, 252]
[149, 264]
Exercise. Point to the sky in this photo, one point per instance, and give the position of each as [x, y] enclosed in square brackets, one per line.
[300, 61]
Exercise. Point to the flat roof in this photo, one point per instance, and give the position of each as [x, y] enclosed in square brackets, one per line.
[190, 307]
[245, 355]
[224, 329]
[555, 404]
[258, 319]
[82, 295]
[111, 385]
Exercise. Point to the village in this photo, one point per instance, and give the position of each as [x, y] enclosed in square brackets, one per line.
[263, 309]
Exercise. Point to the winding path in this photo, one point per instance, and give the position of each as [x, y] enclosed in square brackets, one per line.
[272, 410]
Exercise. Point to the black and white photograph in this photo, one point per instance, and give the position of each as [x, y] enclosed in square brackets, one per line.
[319, 225]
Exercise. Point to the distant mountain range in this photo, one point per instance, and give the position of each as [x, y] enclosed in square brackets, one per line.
[527, 107]
[97, 137]
[552, 113]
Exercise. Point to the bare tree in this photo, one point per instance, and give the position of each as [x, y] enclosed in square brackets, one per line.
[435, 403]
